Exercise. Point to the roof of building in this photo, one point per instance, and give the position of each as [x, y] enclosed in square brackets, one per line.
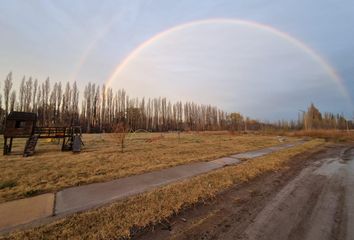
[24, 116]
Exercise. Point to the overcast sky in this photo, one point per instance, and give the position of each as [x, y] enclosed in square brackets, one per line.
[234, 66]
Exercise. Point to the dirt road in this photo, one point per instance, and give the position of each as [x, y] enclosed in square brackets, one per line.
[312, 199]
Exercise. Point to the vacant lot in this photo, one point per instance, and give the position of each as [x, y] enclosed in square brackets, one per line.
[122, 218]
[101, 160]
[329, 135]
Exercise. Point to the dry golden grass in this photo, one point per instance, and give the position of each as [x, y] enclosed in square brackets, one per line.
[329, 135]
[101, 160]
[117, 220]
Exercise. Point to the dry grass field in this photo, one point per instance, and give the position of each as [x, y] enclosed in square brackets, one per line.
[328, 135]
[101, 160]
[116, 220]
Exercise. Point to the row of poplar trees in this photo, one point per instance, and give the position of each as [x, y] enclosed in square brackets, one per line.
[99, 108]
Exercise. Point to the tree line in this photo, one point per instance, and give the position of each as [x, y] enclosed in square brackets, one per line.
[314, 119]
[100, 109]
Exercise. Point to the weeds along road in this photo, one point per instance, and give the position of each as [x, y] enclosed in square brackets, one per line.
[312, 199]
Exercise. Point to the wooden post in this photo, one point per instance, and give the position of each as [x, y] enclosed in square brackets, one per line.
[10, 146]
[5, 146]
[62, 147]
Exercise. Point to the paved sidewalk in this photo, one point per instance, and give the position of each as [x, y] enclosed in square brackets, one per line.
[85, 197]
[77, 199]
[26, 210]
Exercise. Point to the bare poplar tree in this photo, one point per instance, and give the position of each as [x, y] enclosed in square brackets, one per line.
[87, 96]
[38, 101]
[35, 89]
[103, 107]
[28, 95]
[66, 104]
[12, 100]
[110, 105]
[46, 93]
[75, 102]
[58, 100]
[22, 93]
[7, 90]
[53, 104]
[96, 105]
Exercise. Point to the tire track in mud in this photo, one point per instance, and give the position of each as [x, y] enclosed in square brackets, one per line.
[313, 212]
[348, 213]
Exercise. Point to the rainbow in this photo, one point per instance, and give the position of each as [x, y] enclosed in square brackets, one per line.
[310, 52]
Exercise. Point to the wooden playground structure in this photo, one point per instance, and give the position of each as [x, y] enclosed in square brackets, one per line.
[23, 125]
